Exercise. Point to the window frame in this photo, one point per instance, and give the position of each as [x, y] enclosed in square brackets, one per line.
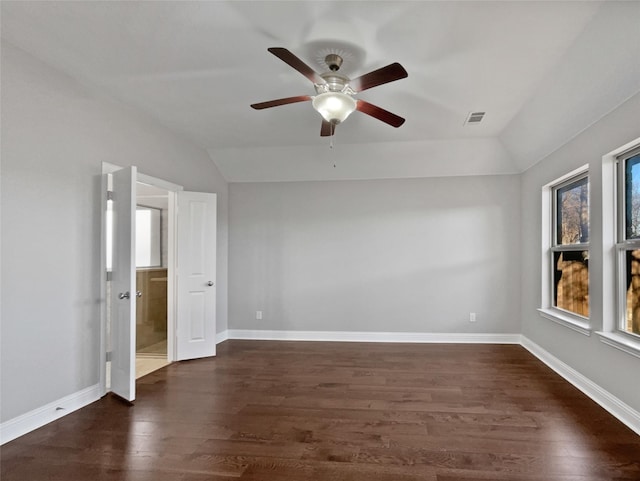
[623, 245]
[550, 247]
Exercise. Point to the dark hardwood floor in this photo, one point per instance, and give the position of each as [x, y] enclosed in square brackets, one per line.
[294, 411]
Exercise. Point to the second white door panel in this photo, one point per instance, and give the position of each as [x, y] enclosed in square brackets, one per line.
[196, 268]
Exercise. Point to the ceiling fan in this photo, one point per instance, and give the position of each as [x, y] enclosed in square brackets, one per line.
[334, 91]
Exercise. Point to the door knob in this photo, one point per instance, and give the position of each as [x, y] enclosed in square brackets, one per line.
[138, 293]
[210, 283]
[123, 295]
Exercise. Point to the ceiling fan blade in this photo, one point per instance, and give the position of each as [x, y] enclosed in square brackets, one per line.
[327, 129]
[383, 75]
[290, 59]
[379, 113]
[278, 102]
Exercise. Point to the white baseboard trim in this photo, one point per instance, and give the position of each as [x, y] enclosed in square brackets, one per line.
[222, 336]
[27, 422]
[350, 336]
[625, 413]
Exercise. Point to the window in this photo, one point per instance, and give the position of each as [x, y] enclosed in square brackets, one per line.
[565, 268]
[620, 248]
[628, 245]
[570, 246]
[148, 236]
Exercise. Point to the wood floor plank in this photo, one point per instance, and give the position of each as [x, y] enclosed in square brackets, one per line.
[275, 411]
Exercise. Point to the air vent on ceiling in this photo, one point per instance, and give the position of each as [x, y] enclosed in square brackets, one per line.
[474, 117]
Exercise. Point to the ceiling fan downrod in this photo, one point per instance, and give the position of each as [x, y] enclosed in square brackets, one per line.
[333, 61]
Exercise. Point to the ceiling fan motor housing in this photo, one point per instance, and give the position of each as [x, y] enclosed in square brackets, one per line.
[334, 83]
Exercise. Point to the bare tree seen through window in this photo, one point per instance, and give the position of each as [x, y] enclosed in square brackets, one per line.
[632, 231]
[572, 266]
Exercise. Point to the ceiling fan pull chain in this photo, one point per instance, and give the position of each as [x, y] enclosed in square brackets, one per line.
[333, 127]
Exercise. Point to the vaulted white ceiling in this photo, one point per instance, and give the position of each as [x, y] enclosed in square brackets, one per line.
[542, 72]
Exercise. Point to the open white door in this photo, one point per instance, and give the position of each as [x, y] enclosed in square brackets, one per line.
[123, 285]
[196, 276]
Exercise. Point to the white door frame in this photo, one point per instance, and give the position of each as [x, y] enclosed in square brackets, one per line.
[171, 188]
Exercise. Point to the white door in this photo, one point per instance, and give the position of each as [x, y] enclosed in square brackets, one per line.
[196, 276]
[123, 285]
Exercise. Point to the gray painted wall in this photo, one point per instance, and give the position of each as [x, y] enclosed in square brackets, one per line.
[413, 255]
[615, 371]
[55, 135]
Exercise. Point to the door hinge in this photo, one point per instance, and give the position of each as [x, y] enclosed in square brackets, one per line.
[109, 276]
[108, 356]
[109, 195]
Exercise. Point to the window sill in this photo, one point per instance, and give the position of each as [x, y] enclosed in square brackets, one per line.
[621, 342]
[567, 320]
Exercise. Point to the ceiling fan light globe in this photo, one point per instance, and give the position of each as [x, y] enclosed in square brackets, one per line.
[334, 107]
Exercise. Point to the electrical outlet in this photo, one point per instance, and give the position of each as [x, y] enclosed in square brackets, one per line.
[259, 315]
[472, 317]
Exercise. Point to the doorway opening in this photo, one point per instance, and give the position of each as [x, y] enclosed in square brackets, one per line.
[152, 275]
